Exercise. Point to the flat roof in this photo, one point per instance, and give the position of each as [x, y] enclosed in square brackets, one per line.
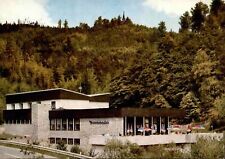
[116, 112]
[52, 94]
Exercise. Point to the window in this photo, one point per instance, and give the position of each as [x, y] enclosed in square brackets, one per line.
[64, 124]
[53, 105]
[52, 140]
[20, 105]
[76, 124]
[13, 106]
[70, 141]
[76, 141]
[70, 124]
[58, 140]
[52, 124]
[58, 124]
[29, 105]
[64, 140]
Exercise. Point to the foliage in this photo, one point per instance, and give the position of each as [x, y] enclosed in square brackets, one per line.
[191, 105]
[208, 148]
[61, 146]
[75, 149]
[141, 66]
[185, 22]
[116, 149]
[164, 151]
[219, 107]
[198, 18]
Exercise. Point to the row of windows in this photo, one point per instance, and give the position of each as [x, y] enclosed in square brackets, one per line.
[13, 105]
[69, 141]
[17, 122]
[20, 105]
[72, 124]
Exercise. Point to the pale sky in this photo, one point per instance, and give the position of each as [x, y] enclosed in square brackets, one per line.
[48, 12]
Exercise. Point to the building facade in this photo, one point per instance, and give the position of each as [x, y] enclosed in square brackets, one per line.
[56, 115]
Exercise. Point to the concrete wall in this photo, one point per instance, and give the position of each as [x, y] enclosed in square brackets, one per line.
[154, 139]
[19, 129]
[66, 104]
[114, 128]
[80, 104]
[40, 121]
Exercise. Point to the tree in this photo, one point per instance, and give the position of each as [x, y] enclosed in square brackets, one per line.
[185, 22]
[60, 23]
[65, 24]
[219, 107]
[162, 28]
[98, 23]
[191, 105]
[198, 18]
[216, 6]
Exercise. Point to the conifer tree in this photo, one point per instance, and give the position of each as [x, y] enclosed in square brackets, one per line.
[198, 18]
[185, 22]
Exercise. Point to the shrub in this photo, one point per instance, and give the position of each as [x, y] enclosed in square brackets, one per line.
[163, 151]
[117, 149]
[75, 149]
[61, 146]
[208, 148]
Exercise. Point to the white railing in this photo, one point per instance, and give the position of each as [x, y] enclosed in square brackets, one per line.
[66, 153]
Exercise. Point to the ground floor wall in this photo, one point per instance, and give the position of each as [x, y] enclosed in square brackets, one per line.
[19, 129]
[89, 127]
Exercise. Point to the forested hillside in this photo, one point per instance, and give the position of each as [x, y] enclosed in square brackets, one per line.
[141, 66]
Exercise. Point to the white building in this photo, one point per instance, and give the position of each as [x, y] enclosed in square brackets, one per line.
[58, 114]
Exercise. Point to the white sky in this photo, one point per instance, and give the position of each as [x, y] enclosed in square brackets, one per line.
[31, 10]
[173, 7]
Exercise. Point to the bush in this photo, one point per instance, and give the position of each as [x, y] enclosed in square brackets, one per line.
[116, 149]
[61, 146]
[163, 151]
[208, 148]
[75, 149]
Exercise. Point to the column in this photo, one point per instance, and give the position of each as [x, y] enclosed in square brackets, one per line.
[143, 126]
[135, 126]
[67, 125]
[152, 127]
[168, 126]
[125, 126]
[160, 124]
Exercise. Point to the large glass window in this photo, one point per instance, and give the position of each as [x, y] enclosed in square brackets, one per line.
[70, 124]
[139, 126]
[64, 124]
[70, 141]
[130, 125]
[52, 140]
[52, 124]
[147, 127]
[76, 124]
[58, 124]
[76, 141]
[64, 140]
[58, 140]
